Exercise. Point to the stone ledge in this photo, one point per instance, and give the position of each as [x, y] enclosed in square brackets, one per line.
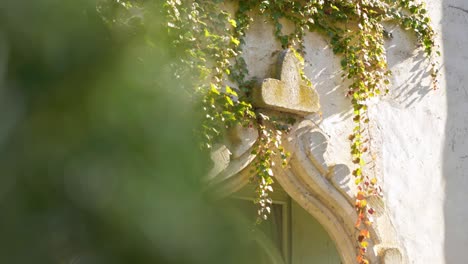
[274, 94]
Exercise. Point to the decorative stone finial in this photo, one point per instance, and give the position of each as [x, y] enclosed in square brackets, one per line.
[289, 93]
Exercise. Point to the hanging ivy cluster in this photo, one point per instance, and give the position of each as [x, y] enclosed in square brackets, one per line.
[212, 41]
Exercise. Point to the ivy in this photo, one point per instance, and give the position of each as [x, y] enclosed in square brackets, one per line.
[212, 40]
[269, 145]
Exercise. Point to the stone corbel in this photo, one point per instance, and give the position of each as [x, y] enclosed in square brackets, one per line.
[231, 159]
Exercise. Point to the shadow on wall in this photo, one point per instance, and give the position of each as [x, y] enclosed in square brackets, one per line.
[409, 85]
[455, 163]
[418, 79]
[324, 70]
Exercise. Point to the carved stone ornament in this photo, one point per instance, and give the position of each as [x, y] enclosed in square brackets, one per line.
[321, 189]
[288, 93]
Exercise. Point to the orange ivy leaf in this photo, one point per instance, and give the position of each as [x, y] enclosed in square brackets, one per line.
[365, 233]
[360, 196]
[358, 222]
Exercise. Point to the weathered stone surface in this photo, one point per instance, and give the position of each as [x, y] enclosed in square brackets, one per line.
[233, 177]
[221, 158]
[315, 144]
[289, 93]
[339, 176]
[391, 256]
[241, 139]
[233, 155]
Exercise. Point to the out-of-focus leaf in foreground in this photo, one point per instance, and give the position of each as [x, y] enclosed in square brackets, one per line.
[98, 163]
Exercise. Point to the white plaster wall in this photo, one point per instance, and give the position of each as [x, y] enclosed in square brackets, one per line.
[420, 136]
[423, 140]
[455, 160]
[410, 130]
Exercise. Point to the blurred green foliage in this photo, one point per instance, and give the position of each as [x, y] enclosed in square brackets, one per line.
[97, 156]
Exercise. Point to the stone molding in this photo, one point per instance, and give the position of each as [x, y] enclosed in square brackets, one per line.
[316, 187]
[321, 189]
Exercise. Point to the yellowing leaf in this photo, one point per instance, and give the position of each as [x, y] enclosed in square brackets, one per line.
[230, 91]
[229, 101]
[232, 22]
[363, 203]
[364, 244]
[214, 90]
[235, 41]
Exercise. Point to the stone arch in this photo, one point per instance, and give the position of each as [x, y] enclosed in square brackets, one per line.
[320, 188]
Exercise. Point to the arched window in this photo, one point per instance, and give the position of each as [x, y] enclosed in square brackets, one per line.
[289, 236]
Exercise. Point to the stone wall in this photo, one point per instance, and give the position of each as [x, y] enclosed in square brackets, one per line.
[419, 136]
